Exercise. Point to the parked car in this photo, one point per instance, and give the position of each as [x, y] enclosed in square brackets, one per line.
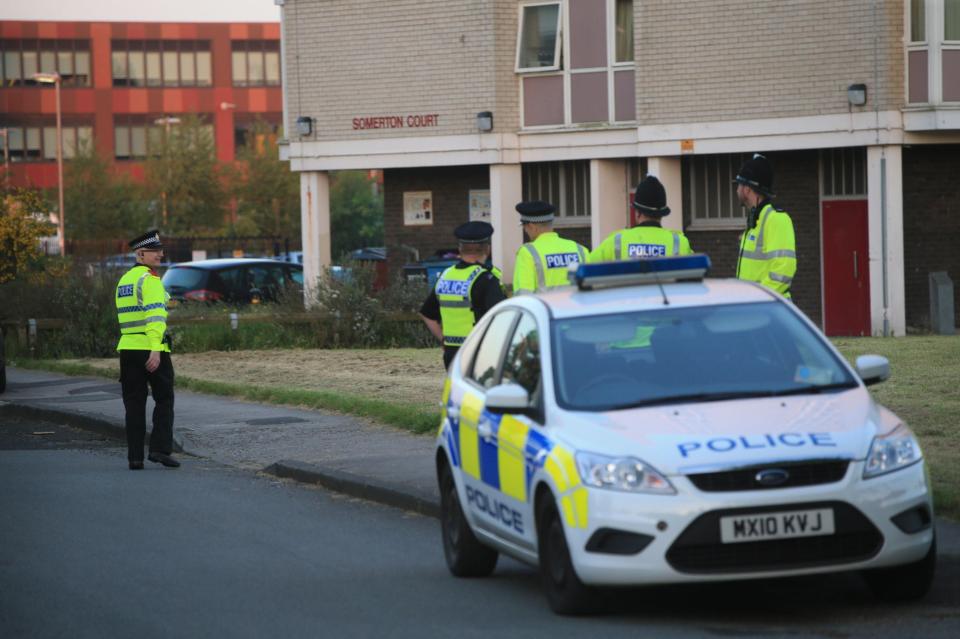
[232, 280]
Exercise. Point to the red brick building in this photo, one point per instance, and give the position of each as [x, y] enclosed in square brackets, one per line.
[120, 78]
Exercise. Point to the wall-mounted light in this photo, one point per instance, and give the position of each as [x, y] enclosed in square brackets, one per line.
[304, 125]
[485, 121]
[857, 94]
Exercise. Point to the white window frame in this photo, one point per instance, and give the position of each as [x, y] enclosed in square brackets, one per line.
[612, 37]
[563, 218]
[558, 43]
[935, 44]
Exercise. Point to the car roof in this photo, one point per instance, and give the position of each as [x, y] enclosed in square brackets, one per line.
[225, 262]
[568, 301]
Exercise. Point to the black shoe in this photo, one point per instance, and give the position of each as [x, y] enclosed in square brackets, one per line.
[136, 465]
[165, 459]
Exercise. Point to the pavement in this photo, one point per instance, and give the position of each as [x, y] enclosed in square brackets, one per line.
[340, 452]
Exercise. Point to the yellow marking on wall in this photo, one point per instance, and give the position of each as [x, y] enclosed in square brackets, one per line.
[512, 439]
[469, 441]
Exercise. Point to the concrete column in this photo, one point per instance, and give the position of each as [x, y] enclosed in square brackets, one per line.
[314, 228]
[608, 199]
[667, 170]
[506, 189]
[885, 211]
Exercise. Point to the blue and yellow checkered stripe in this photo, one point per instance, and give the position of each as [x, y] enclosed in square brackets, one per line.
[510, 459]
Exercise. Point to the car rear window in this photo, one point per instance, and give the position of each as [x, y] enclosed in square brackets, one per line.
[184, 278]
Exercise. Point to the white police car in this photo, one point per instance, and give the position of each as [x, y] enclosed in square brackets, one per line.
[652, 426]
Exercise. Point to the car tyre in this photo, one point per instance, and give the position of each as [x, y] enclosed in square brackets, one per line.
[3, 365]
[465, 555]
[904, 583]
[566, 594]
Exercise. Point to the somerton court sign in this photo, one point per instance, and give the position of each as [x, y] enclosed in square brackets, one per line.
[409, 121]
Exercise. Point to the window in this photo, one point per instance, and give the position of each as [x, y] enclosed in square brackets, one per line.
[256, 131]
[538, 45]
[522, 364]
[255, 63]
[137, 136]
[487, 363]
[623, 24]
[951, 19]
[844, 173]
[22, 58]
[709, 190]
[37, 142]
[917, 21]
[138, 63]
[566, 185]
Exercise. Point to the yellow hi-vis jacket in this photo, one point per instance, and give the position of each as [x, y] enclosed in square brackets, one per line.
[768, 251]
[141, 311]
[456, 310]
[641, 242]
[542, 263]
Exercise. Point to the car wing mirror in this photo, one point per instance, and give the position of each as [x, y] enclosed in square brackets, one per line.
[873, 369]
[508, 398]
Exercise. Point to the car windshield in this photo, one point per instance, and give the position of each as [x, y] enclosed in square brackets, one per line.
[183, 278]
[707, 353]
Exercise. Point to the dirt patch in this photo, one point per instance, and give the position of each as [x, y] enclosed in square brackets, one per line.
[401, 374]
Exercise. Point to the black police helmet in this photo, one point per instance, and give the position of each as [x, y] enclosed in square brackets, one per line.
[650, 198]
[757, 173]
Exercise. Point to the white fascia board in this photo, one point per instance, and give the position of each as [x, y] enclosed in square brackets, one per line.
[932, 120]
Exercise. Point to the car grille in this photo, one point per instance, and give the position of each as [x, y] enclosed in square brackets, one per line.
[699, 549]
[800, 474]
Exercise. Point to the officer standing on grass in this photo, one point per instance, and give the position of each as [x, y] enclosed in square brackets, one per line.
[145, 354]
[768, 251]
[542, 262]
[647, 238]
[464, 291]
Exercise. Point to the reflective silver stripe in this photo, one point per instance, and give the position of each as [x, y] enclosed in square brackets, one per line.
[155, 318]
[776, 277]
[769, 255]
[541, 277]
[139, 288]
[676, 244]
[455, 304]
[617, 246]
[582, 253]
[132, 324]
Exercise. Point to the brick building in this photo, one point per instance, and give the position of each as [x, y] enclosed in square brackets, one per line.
[469, 107]
[123, 83]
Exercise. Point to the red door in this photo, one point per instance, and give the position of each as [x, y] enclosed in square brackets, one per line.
[846, 273]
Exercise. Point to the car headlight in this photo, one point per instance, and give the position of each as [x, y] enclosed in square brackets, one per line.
[893, 451]
[622, 473]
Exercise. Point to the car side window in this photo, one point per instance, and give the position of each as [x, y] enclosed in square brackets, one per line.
[486, 366]
[232, 278]
[522, 363]
[265, 279]
[296, 275]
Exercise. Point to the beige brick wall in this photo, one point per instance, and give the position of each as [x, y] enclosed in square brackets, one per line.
[360, 58]
[742, 59]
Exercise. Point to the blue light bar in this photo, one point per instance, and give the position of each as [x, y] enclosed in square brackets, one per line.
[642, 271]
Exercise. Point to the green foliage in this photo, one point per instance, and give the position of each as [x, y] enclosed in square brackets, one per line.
[356, 212]
[23, 221]
[185, 180]
[101, 203]
[266, 190]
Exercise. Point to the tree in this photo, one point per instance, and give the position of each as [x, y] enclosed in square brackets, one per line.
[101, 203]
[266, 190]
[356, 212]
[183, 177]
[24, 219]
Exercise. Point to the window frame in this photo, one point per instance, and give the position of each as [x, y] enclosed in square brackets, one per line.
[241, 49]
[612, 38]
[46, 138]
[703, 222]
[558, 41]
[470, 375]
[165, 51]
[58, 50]
[560, 196]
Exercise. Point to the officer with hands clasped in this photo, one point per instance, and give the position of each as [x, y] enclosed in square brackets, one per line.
[768, 252]
[464, 291]
[542, 262]
[145, 354]
[648, 238]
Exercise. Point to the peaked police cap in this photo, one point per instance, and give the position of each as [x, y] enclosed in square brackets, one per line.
[149, 240]
[474, 232]
[535, 212]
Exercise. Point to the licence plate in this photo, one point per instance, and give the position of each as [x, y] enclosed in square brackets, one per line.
[778, 525]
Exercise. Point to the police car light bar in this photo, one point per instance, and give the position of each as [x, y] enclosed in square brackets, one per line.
[642, 271]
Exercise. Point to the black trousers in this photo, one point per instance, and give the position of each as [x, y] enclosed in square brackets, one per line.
[134, 379]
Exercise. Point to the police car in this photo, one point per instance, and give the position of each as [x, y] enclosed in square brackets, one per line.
[650, 426]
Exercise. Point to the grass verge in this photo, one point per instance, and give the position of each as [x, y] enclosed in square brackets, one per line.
[412, 417]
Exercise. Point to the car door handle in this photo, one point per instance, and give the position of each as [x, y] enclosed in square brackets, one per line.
[484, 430]
[856, 272]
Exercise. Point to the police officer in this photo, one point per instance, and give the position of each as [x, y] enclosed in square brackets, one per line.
[768, 253]
[647, 238]
[542, 262]
[464, 291]
[145, 354]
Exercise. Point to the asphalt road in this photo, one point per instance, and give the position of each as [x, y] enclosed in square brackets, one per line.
[91, 549]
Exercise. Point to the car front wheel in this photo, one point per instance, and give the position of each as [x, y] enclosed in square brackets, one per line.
[566, 594]
[465, 555]
[904, 583]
